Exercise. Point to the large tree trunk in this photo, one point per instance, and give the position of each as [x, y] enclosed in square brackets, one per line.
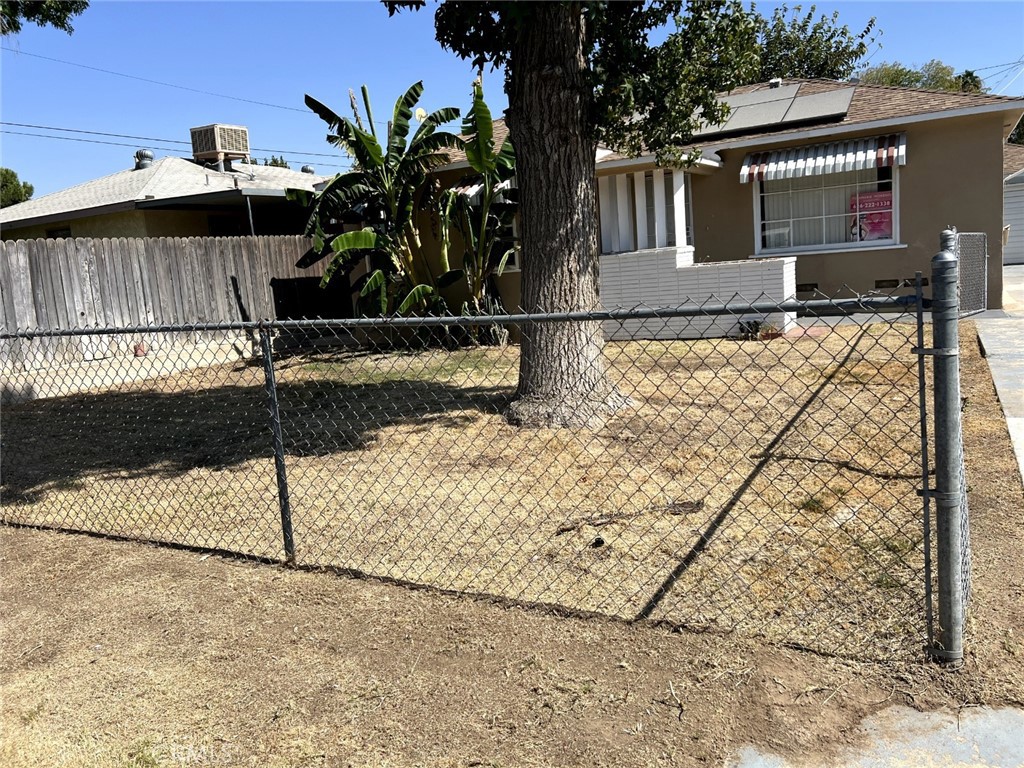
[562, 374]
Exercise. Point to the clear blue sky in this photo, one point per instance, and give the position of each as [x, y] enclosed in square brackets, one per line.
[275, 52]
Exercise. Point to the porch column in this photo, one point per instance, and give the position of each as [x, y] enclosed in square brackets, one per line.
[640, 194]
[679, 206]
[625, 213]
[660, 224]
[606, 212]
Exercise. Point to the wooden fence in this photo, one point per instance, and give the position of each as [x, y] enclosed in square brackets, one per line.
[61, 284]
[86, 282]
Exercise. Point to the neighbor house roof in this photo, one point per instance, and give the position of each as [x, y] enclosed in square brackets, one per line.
[166, 180]
[1013, 159]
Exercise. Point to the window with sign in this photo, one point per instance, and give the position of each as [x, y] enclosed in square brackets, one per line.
[852, 208]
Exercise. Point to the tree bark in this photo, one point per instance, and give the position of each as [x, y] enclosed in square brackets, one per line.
[563, 379]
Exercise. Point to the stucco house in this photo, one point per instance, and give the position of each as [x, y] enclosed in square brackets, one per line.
[217, 192]
[845, 183]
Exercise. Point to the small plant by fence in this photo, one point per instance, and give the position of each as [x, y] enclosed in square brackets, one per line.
[762, 485]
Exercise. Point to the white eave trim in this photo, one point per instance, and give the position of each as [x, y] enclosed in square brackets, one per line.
[875, 125]
[706, 161]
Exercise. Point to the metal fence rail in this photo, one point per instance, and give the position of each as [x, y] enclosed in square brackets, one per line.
[761, 484]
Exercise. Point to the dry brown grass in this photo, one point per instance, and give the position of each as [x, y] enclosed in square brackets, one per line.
[400, 465]
[121, 655]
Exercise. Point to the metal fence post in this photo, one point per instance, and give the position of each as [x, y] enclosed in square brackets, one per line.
[948, 491]
[275, 426]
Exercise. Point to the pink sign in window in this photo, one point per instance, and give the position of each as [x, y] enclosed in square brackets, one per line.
[872, 219]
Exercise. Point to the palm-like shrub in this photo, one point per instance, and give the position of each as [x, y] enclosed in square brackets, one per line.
[481, 218]
[382, 191]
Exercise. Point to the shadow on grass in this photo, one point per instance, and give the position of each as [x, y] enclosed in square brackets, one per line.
[708, 534]
[56, 443]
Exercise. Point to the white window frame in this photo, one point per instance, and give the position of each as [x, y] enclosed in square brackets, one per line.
[512, 264]
[866, 245]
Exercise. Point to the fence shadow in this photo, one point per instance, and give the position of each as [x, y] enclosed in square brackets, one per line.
[58, 442]
[708, 534]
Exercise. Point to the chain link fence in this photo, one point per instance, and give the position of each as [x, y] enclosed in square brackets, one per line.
[765, 483]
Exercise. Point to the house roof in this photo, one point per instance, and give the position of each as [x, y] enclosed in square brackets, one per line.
[167, 179]
[456, 156]
[868, 104]
[1013, 159]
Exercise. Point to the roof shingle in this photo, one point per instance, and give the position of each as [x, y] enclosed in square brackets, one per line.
[165, 179]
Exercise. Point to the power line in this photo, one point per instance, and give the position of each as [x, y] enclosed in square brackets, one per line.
[166, 85]
[116, 143]
[157, 82]
[1007, 86]
[86, 141]
[996, 66]
[153, 138]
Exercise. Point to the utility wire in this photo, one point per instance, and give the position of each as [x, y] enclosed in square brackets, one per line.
[1007, 86]
[114, 143]
[166, 85]
[153, 138]
[87, 141]
[156, 82]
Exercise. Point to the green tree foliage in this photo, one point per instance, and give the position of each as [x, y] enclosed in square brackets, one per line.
[54, 13]
[934, 75]
[480, 222]
[12, 189]
[1017, 137]
[580, 74]
[794, 44]
[381, 193]
[276, 162]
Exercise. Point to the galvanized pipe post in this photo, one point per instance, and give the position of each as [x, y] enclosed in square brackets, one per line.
[947, 492]
[275, 426]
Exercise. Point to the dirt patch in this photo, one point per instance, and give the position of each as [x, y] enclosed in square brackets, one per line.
[120, 654]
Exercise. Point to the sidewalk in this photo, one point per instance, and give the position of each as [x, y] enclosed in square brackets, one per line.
[976, 738]
[1002, 343]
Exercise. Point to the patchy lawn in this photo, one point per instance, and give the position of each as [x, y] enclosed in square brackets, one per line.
[121, 654]
[766, 488]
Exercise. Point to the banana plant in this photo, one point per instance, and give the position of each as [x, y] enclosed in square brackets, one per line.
[481, 217]
[381, 191]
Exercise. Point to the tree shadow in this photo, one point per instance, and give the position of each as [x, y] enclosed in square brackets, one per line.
[56, 443]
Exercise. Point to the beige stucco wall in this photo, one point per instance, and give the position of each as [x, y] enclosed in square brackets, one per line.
[123, 224]
[953, 176]
[177, 223]
[120, 224]
[508, 282]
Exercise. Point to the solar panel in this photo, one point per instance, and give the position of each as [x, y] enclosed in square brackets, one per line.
[819, 105]
[757, 115]
[786, 92]
[780, 106]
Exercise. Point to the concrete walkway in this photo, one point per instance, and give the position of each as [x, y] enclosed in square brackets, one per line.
[904, 738]
[1002, 343]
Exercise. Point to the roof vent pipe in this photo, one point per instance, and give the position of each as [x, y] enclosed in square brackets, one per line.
[308, 169]
[143, 159]
[775, 82]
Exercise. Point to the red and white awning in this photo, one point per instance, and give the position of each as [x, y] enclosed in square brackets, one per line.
[819, 159]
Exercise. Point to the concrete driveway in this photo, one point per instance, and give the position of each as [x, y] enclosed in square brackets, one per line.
[1002, 342]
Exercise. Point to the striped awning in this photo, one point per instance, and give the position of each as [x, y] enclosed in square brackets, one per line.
[818, 159]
